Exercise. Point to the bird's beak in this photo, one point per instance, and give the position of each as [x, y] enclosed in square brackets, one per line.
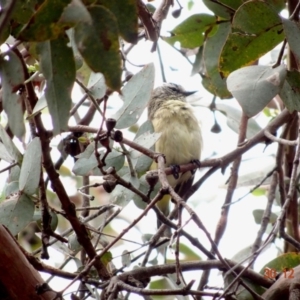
[186, 93]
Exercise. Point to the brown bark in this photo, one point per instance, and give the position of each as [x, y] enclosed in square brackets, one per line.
[18, 279]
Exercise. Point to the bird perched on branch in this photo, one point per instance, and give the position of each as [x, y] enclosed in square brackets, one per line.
[180, 140]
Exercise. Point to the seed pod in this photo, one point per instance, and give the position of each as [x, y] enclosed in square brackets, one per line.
[152, 179]
[176, 13]
[109, 185]
[110, 124]
[118, 137]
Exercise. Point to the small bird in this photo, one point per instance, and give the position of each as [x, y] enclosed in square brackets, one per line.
[181, 138]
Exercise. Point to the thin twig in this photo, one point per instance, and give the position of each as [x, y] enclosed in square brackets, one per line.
[273, 138]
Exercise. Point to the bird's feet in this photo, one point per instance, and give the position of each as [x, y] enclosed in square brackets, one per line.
[175, 170]
[197, 163]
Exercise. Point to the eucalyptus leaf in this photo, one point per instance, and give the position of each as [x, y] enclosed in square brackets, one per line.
[16, 212]
[73, 243]
[144, 188]
[126, 15]
[126, 259]
[87, 163]
[43, 24]
[75, 12]
[141, 163]
[290, 92]
[98, 43]
[122, 196]
[136, 95]
[212, 80]
[255, 86]
[292, 32]
[234, 116]
[11, 188]
[5, 155]
[39, 106]
[53, 55]
[256, 30]
[96, 85]
[147, 140]
[192, 31]
[259, 213]
[12, 78]
[31, 167]
[10, 146]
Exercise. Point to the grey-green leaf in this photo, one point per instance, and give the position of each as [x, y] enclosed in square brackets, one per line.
[126, 259]
[87, 163]
[234, 118]
[292, 33]
[10, 146]
[136, 95]
[122, 196]
[144, 188]
[31, 168]
[12, 77]
[290, 93]
[255, 86]
[55, 54]
[16, 213]
[96, 85]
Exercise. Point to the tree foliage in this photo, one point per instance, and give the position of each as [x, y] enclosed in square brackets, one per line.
[51, 52]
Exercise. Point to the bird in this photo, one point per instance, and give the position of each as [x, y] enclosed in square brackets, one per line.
[181, 137]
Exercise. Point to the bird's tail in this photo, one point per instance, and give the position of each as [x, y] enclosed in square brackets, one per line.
[164, 206]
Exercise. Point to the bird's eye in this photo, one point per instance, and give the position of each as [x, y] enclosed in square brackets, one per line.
[174, 87]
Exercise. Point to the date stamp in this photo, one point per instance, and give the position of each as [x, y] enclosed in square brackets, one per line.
[271, 273]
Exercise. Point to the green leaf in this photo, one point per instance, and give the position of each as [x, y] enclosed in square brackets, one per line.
[23, 11]
[31, 167]
[256, 29]
[191, 32]
[126, 15]
[55, 54]
[44, 24]
[16, 213]
[225, 8]
[290, 92]
[136, 95]
[107, 258]
[223, 11]
[259, 192]
[98, 43]
[12, 78]
[285, 261]
[255, 86]
[212, 80]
